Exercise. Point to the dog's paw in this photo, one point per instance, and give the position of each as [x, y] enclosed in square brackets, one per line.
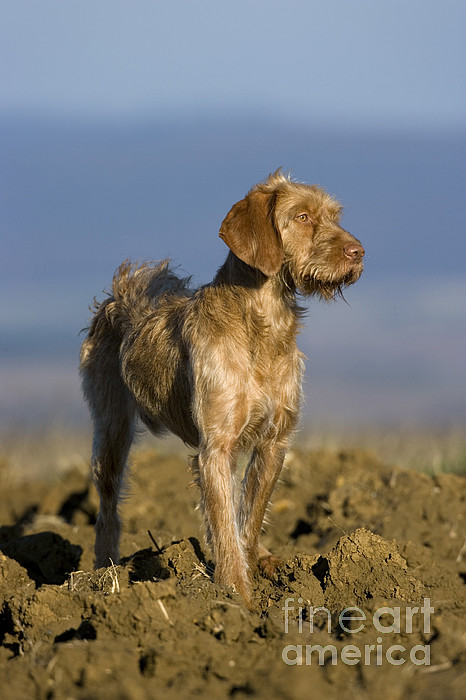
[269, 564]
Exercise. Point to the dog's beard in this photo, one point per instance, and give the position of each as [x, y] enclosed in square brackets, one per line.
[317, 283]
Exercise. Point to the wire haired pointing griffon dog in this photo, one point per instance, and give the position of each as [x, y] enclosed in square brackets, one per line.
[218, 366]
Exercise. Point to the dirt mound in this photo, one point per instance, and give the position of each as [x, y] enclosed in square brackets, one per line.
[370, 599]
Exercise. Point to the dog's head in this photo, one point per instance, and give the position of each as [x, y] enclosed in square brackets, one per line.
[288, 229]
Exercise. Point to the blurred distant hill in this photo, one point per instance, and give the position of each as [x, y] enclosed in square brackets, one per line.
[84, 195]
[76, 198]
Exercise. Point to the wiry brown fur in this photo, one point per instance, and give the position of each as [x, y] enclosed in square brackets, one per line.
[217, 366]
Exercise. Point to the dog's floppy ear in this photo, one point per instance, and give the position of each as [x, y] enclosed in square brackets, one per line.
[249, 231]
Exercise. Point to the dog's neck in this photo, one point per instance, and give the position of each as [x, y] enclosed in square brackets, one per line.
[269, 297]
[235, 273]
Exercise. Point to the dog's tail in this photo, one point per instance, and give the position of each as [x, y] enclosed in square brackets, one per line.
[135, 291]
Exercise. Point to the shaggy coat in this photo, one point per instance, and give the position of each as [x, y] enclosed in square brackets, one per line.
[217, 366]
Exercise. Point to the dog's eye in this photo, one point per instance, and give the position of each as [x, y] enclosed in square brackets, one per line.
[302, 217]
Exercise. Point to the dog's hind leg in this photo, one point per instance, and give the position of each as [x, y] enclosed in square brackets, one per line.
[113, 413]
[111, 445]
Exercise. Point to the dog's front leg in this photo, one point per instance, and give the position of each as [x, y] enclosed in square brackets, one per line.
[259, 481]
[216, 470]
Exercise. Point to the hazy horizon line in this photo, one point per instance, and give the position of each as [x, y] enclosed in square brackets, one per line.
[257, 117]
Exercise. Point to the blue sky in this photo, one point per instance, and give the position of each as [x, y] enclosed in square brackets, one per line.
[109, 110]
[360, 62]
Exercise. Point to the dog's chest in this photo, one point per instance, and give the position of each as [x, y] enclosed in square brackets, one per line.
[269, 393]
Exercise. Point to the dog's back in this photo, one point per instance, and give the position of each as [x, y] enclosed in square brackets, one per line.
[139, 317]
[136, 290]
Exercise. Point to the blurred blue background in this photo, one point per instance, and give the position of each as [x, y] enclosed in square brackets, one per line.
[128, 129]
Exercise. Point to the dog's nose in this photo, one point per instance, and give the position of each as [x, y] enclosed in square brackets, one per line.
[355, 251]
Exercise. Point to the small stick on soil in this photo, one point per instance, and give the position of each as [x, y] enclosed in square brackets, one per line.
[114, 577]
[72, 585]
[159, 550]
[337, 526]
[201, 569]
[231, 605]
[164, 612]
[438, 667]
[459, 558]
[112, 574]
